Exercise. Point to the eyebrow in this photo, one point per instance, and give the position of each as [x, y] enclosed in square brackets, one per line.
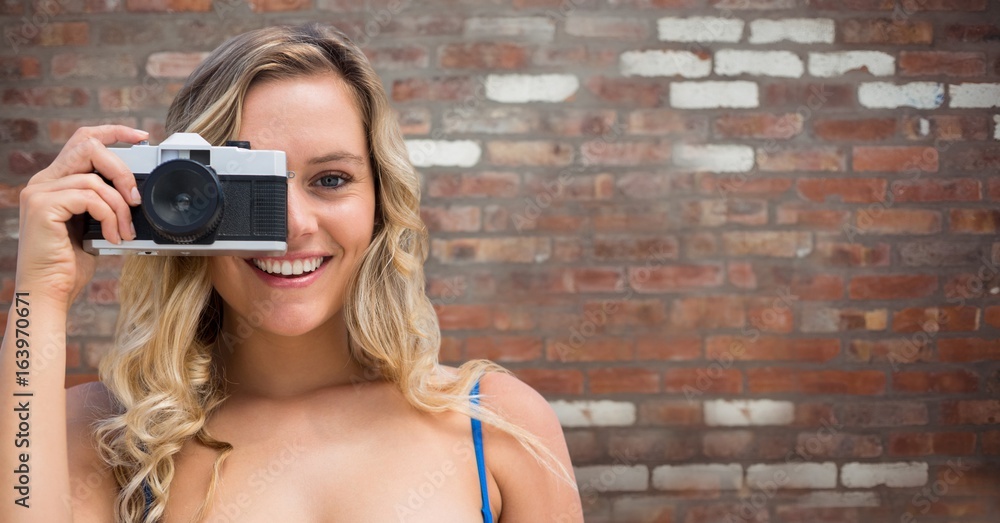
[338, 156]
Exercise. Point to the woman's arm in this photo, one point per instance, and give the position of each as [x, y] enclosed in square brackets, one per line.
[529, 491]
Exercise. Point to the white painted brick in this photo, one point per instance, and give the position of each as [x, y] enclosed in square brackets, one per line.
[531, 28]
[801, 30]
[996, 126]
[458, 153]
[826, 65]
[603, 413]
[613, 478]
[700, 29]
[839, 499]
[884, 95]
[738, 413]
[710, 95]
[714, 476]
[974, 95]
[734, 62]
[665, 63]
[714, 158]
[805, 475]
[897, 475]
[924, 127]
[523, 88]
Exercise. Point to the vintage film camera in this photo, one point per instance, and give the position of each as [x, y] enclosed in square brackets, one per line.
[200, 200]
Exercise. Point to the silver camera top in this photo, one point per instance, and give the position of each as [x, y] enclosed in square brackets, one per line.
[191, 146]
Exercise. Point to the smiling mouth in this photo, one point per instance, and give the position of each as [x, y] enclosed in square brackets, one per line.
[289, 268]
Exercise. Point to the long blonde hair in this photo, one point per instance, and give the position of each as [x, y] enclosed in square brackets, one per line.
[160, 371]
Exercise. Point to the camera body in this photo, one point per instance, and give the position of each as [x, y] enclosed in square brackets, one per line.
[200, 200]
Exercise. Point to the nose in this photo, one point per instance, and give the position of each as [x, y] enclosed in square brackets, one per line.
[301, 218]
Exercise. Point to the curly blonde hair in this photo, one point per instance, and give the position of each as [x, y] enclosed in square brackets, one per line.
[160, 371]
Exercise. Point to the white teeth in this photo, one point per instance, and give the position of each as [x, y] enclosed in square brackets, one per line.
[287, 268]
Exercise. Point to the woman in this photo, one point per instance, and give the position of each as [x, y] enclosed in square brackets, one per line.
[232, 394]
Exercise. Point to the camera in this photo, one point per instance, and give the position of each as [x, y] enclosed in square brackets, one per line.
[200, 200]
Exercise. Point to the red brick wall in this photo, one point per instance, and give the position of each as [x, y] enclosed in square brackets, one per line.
[750, 258]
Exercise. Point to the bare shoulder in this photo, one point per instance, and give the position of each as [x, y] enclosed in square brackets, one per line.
[92, 485]
[531, 491]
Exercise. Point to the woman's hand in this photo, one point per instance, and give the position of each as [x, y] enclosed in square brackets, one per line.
[50, 256]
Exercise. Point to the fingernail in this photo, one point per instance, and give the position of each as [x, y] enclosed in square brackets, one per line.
[140, 131]
[131, 227]
[136, 199]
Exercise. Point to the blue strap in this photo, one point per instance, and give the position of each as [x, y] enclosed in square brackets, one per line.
[148, 494]
[477, 442]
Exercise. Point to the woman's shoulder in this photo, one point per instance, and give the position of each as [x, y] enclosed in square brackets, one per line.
[92, 485]
[90, 401]
[519, 403]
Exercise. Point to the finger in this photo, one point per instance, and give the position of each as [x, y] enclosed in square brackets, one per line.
[91, 155]
[75, 156]
[70, 202]
[107, 193]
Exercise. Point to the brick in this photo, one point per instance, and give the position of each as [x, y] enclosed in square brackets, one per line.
[934, 319]
[829, 319]
[966, 350]
[924, 444]
[652, 509]
[885, 31]
[807, 216]
[883, 414]
[443, 153]
[669, 412]
[947, 127]
[735, 62]
[760, 125]
[797, 30]
[511, 250]
[950, 190]
[974, 221]
[124, 99]
[712, 477]
[602, 413]
[49, 34]
[151, 6]
[862, 130]
[104, 66]
[580, 348]
[742, 413]
[898, 221]
[659, 248]
[930, 63]
[618, 28]
[974, 95]
[674, 278]
[433, 89]
[18, 130]
[552, 381]
[972, 33]
[895, 159]
[893, 475]
[613, 478]
[665, 63]
[520, 28]
[520, 153]
[265, 6]
[782, 244]
[700, 29]
[707, 312]
[652, 443]
[727, 445]
[771, 348]
[569, 55]
[822, 444]
[173, 65]
[712, 213]
[809, 97]
[991, 442]
[658, 347]
[60, 131]
[617, 380]
[847, 190]
[573, 279]
[829, 159]
[752, 4]
[971, 412]
[713, 158]
[482, 55]
[626, 91]
[943, 5]
[992, 316]
[940, 253]
[482, 184]
[504, 348]
[892, 287]
[832, 65]
[793, 476]
[808, 287]
[663, 122]
[783, 380]
[707, 95]
[693, 383]
[884, 95]
[977, 158]
[603, 152]
[15, 68]
[944, 382]
[523, 88]
[394, 58]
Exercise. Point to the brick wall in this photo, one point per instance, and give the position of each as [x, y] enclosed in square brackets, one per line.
[746, 247]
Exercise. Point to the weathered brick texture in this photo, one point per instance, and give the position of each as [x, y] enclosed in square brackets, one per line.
[747, 248]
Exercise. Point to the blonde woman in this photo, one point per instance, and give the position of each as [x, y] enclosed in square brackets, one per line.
[234, 394]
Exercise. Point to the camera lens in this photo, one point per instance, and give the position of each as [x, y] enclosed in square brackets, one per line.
[182, 200]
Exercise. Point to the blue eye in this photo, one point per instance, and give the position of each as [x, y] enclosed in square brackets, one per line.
[333, 181]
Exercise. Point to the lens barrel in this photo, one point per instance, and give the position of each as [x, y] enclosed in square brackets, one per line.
[182, 200]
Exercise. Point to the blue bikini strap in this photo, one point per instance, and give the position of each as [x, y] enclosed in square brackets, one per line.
[477, 442]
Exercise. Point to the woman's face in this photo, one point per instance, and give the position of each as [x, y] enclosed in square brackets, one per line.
[331, 205]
